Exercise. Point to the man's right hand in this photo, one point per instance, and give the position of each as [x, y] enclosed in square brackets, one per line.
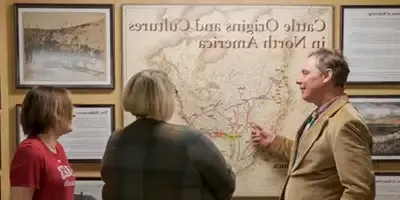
[261, 138]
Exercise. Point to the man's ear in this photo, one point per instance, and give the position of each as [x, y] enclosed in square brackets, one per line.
[328, 75]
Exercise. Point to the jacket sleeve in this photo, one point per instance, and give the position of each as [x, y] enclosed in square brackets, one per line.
[281, 147]
[352, 147]
[216, 173]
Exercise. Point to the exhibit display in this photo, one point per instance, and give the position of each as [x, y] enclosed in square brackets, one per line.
[233, 65]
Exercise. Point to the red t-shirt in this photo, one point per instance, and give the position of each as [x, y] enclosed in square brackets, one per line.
[34, 165]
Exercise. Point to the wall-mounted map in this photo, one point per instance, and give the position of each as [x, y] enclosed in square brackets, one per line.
[233, 65]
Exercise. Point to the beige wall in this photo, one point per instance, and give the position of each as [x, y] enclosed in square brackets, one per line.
[11, 96]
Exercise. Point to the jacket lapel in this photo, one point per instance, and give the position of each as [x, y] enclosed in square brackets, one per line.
[296, 142]
[310, 136]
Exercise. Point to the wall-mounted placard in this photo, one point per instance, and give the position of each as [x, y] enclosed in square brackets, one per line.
[370, 40]
[382, 115]
[387, 186]
[92, 127]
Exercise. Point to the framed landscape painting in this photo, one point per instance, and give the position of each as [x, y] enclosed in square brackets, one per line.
[65, 45]
[382, 115]
[88, 188]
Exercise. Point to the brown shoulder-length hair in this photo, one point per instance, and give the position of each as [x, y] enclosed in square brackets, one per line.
[44, 108]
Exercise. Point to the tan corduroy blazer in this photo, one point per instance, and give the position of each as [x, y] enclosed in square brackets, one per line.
[333, 157]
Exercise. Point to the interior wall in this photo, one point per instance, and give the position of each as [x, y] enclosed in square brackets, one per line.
[11, 96]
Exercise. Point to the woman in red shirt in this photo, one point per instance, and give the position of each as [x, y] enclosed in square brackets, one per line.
[40, 169]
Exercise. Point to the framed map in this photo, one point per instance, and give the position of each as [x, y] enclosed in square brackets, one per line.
[233, 65]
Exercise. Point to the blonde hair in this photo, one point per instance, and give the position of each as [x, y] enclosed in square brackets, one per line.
[44, 108]
[150, 93]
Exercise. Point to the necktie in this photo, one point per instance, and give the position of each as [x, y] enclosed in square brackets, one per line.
[311, 121]
[308, 125]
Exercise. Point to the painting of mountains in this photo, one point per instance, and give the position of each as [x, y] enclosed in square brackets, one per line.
[67, 47]
[382, 116]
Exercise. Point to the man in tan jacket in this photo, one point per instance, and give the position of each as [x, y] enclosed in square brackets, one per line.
[330, 158]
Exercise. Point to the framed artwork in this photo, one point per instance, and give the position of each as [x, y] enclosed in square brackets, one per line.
[88, 188]
[369, 41]
[91, 129]
[64, 45]
[382, 115]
